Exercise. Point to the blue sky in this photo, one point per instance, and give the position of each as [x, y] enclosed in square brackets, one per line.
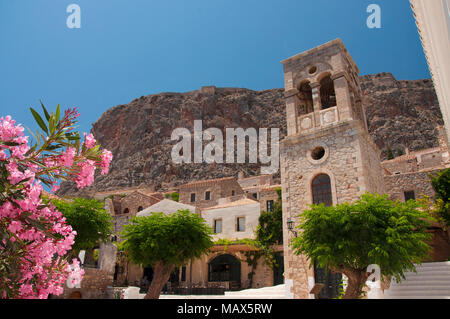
[129, 48]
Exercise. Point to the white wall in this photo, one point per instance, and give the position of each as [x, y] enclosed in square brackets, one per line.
[433, 21]
[229, 215]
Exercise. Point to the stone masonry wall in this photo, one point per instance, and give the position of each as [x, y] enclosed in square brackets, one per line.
[267, 194]
[218, 189]
[419, 182]
[371, 165]
[342, 162]
[135, 200]
[96, 284]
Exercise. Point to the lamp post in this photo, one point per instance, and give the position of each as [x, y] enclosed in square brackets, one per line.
[290, 224]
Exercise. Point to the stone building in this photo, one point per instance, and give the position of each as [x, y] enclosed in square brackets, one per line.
[232, 214]
[327, 156]
[407, 177]
[97, 282]
[207, 193]
[261, 188]
[252, 185]
[123, 206]
[233, 219]
[227, 266]
[127, 273]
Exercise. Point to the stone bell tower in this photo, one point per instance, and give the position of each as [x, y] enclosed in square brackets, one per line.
[328, 156]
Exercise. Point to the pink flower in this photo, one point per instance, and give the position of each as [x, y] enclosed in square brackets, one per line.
[66, 158]
[106, 158]
[50, 162]
[15, 226]
[8, 130]
[86, 175]
[89, 140]
[43, 270]
[26, 289]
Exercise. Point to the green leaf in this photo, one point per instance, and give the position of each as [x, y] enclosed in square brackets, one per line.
[51, 124]
[12, 144]
[57, 113]
[39, 120]
[71, 136]
[53, 147]
[47, 116]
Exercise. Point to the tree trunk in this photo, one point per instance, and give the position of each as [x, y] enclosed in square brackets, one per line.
[356, 280]
[161, 274]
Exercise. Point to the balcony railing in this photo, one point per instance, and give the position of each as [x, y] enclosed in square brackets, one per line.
[327, 117]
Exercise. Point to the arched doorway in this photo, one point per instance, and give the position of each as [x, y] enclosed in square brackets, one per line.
[322, 194]
[225, 268]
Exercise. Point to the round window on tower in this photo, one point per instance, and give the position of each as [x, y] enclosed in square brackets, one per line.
[312, 70]
[318, 154]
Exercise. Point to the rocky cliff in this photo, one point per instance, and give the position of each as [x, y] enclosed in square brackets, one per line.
[400, 114]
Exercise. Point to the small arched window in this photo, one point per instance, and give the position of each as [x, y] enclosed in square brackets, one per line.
[306, 98]
[327, 93]
[321, 190]
[140, 208]
[126, 211]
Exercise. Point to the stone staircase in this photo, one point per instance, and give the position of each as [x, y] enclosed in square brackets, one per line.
[432, 281]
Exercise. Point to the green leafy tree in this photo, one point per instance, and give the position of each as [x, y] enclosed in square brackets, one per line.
[270, 227]
[173, 196]
[270, 230]
[441, 186]
[89, 219]
[349, 237]
[165, 242]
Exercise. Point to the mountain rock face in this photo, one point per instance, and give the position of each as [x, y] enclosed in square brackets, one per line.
[400, 114]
